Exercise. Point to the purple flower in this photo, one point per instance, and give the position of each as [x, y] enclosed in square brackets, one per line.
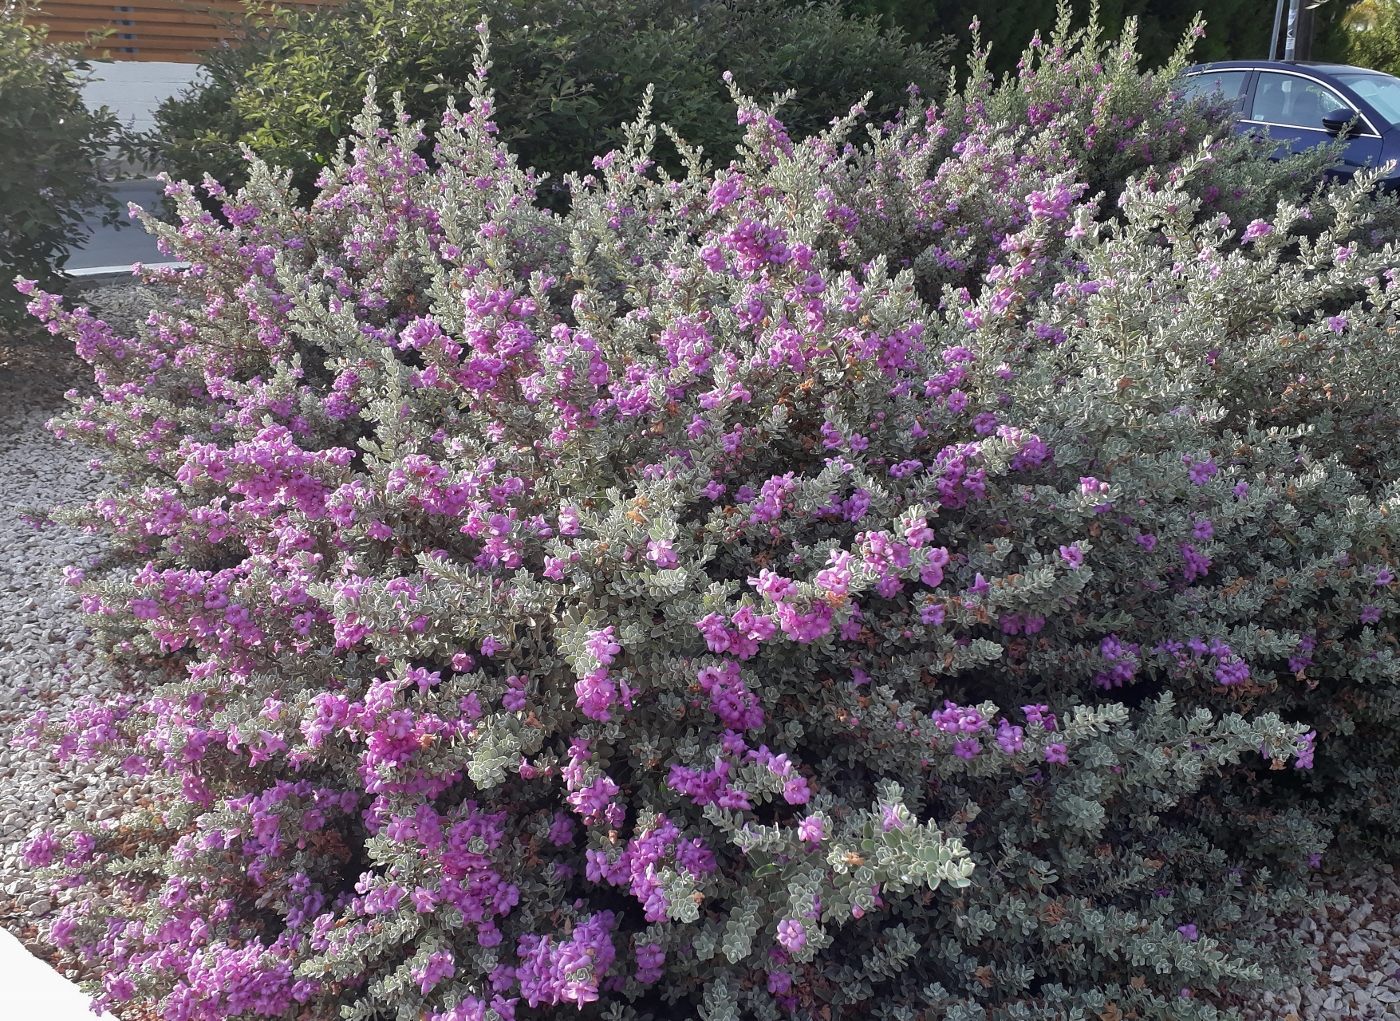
[1057, 753]
[514, 699]
[1200, 472]
[659, 552]
[1370, 613]
[957, 719]
[1302, 654]
[41, 850]
[561, 830]
[812, 829]
[1307, 745]
[1188, 932]
[791, 934]
[424, 900]
[1231, 670]
[730, 698]
[1123, 662]
[440, 965]
[1010, 739]
[724, 191]
[967, 748]
[602, 645]
[796, 791]
[984, 423]
[773, 585]
[1197, 563]
[1256, 229]
[650, 958]
[592, 801]
[1073, 556]
[1337, 324]
[552, 972]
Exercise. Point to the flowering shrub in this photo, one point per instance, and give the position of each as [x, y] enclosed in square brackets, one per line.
[889, 577]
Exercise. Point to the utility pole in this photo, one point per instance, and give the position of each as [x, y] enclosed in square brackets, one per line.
[1290, 44]
[1298, 33]
[1306, 17]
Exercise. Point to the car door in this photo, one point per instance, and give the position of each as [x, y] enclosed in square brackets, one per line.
[1290, 107]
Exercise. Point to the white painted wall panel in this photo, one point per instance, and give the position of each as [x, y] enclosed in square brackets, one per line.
[133, 89]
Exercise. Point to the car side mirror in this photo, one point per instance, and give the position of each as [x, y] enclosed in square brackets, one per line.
[1337, 121]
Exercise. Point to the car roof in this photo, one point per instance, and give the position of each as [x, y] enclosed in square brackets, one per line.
[1318, 66]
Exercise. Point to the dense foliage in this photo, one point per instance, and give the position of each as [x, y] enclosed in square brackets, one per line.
[201, 130]
[52, 162]
[913, 575]
[567, 75]
[1235, 29]
[1373, 35]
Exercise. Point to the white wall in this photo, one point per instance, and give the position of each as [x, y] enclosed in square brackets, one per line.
[133, 89]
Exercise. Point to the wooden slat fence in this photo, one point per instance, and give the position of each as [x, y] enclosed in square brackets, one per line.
[173, 30]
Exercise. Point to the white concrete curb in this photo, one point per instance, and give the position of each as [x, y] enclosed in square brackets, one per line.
[34, 990]
[95, 270]
[97, 276]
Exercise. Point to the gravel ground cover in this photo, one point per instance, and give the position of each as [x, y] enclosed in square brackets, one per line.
[47, 663]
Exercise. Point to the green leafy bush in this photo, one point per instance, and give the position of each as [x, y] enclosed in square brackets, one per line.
[1373, 36]
[566, 76]
[877, 577]
[200, 132]
[1235, 29]
[52, 162]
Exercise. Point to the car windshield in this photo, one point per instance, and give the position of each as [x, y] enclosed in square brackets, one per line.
[1380, 90]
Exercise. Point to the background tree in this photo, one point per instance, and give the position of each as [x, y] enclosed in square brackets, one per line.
[51, 165]
[1235, 29]
[1373, 34]
[567, 76]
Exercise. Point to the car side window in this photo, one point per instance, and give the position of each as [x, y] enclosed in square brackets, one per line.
[1215, 85]
[1293, 102]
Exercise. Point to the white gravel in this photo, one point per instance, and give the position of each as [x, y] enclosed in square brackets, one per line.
[1354, 973]
[46, 662]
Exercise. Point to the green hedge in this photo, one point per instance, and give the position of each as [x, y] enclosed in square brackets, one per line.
[567, 76]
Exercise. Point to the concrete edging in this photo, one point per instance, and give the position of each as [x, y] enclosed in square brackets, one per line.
[102, 276]
[34, 990]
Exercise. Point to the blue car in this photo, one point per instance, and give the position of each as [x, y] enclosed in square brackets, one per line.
[1301, 104]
